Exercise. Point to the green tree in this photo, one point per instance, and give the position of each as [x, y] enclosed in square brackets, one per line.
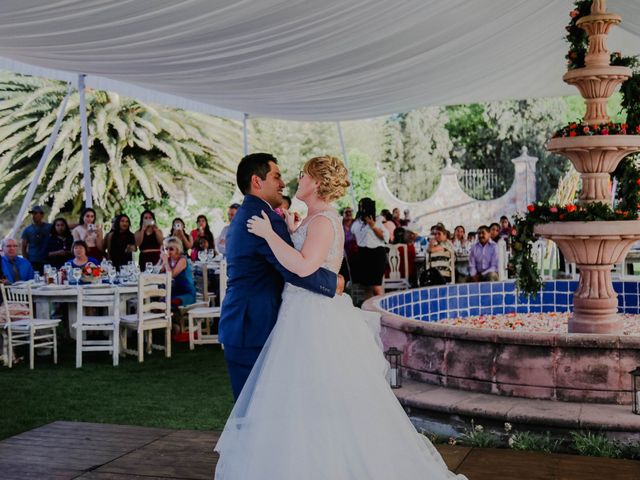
[137, 150]
[416, 145]
[489, 135]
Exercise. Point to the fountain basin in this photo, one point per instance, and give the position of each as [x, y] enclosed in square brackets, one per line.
[557, 366]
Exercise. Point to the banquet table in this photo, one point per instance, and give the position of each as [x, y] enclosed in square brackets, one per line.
[46, 295]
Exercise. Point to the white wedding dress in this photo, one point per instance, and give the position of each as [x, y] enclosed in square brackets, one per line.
[317, 404]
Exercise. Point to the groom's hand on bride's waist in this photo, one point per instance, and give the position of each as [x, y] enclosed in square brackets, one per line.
[340, 285]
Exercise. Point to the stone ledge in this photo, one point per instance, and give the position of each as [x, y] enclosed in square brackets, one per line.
[569, 415]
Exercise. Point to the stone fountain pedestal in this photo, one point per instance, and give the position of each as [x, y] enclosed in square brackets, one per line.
[595, 246]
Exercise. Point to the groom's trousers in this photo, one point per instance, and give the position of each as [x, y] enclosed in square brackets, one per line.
[240, 361]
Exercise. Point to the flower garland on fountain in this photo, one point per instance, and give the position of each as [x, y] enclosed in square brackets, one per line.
[599, 234]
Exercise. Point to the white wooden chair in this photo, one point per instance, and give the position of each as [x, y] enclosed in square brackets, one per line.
[22, 328]
[208, 315]
[154, 313]
[396, 258]
[92, 298]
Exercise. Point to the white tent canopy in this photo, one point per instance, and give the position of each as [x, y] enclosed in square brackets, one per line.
[304, 60]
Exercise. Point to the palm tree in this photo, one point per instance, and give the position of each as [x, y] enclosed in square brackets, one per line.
[135, 148]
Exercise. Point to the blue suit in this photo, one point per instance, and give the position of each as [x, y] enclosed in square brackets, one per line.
[254, 290]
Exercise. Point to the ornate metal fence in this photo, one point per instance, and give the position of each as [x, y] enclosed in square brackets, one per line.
[482, 184]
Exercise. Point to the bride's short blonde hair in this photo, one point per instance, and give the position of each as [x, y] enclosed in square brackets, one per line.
[331, 174]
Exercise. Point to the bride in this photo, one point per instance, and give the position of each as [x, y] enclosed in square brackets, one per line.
[317, 405]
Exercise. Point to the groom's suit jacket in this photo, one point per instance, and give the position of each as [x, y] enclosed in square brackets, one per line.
[256, 279]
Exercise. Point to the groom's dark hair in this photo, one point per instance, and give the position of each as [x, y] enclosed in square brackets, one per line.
[254, 164]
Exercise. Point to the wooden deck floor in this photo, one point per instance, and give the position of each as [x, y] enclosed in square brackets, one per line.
[69, 450]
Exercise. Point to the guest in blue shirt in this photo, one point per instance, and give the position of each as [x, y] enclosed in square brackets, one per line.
[80, 258]
[34, 239]
[483, 258]
[14, 268]
[183, 292]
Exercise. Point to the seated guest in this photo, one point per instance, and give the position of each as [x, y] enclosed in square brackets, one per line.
[59, 243]
[34, 239]
[14, 268]
[183, 291]
[406, 221]
[483, 258]
[202, 230]
[472, 237]
[441, 253]
[91, 233]
[494, 232]
[80, 258]
[222, 238]
[395, 216]
[284, 206]
[388, 223]
[461, 247]
[120, 243]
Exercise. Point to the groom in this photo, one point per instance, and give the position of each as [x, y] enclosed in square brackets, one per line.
[255, 278]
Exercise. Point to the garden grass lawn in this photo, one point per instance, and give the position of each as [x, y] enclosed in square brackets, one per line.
[191, 390]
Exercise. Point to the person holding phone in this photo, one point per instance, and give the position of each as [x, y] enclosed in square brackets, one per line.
[372, 238]
[177, 230]
[120, 243]
[148, 239]
[91, 233]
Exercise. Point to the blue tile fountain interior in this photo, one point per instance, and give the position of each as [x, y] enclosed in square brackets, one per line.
[495, 298]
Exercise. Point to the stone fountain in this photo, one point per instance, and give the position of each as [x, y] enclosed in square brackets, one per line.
[595, 246]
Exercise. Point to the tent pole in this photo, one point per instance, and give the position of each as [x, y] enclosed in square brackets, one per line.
[245, 135]
[43, 160]
[86, 169]
[346, 162]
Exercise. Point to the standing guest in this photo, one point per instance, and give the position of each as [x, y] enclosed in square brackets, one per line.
[483, 258]
[120, 243]
[388, 223]
[178, 231]
[396, 217]
[91, 233]
[371, 237]
[59, 243]
[148, 239]
[80, 256]
[400, 238]
[505, 227]
[407, 218]
[350, 245]
[14, 268]
[222, 238]
[202, 230]
[183, 291]
[34, 239]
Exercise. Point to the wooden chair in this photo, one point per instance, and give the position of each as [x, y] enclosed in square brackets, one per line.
[154, 313]
[92, 298]
[398, 260]
[22, 329]
[206, 314]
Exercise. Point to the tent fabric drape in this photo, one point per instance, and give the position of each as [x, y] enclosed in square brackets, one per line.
[330, 60]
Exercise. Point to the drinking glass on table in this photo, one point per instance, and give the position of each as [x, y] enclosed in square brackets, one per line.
[112, 272]
[211, 254]
[148, 267]
[202, 256]
[77, 274]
